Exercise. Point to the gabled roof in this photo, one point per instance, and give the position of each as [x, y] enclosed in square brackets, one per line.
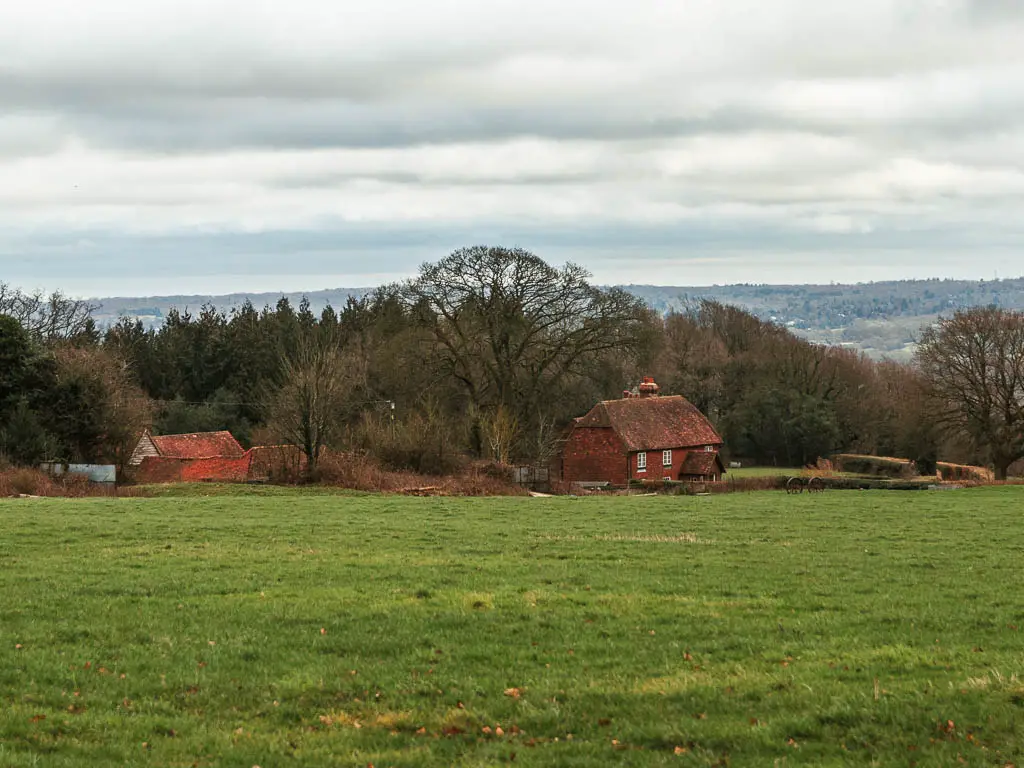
[199, 445]
[653, 423]
[701, 463]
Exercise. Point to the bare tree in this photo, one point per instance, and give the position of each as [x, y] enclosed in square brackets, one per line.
[511, 328]
[974, 365]
[49, 318]
[499, 429]
[318, 377]
[907, 425]
[693, 362]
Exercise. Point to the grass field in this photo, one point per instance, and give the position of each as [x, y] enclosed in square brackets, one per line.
[739, 472]
[847, 628]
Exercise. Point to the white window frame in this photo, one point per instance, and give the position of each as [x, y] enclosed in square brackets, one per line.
[641, 461]
[709, 449]
[666, 458]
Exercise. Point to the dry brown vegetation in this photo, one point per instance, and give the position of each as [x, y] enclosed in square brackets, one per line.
[31, 482]
[952, 472]
[362, 473]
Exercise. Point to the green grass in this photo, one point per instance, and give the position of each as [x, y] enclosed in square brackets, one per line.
[205, 490]
[762, 472]
[847, 628]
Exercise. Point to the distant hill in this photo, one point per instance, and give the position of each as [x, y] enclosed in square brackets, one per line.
[153, 309]
[883, 318]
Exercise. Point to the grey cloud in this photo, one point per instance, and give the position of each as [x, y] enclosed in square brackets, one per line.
[249, 123]
[908, 122]
[173, 99]
[994, 10]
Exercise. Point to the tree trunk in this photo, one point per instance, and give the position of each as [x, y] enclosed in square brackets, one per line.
[1001, 466]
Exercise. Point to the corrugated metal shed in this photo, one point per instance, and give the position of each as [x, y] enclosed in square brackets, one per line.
[105, 474]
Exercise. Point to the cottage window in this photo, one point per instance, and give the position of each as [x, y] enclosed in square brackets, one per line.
[641, 462]
[709, 448]
[666, 458]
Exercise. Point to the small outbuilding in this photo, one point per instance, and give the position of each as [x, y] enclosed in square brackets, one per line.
[205, 457]
[642, 436]
[198, 445]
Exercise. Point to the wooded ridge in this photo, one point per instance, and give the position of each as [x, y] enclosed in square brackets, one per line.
[879, 318]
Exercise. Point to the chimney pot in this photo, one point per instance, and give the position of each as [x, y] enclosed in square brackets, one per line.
[648, 388]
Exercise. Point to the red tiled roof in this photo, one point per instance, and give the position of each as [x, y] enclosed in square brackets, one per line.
[201, 445]
[653, 423]
[700, 463]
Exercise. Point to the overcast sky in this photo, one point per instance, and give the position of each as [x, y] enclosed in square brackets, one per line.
[212, 145]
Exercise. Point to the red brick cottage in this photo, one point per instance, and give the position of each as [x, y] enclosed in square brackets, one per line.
[643, 436]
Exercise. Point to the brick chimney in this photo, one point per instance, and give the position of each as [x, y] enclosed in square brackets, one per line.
[648, 388]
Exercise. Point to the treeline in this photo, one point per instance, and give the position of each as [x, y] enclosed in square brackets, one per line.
[777, 399]
[489, 352]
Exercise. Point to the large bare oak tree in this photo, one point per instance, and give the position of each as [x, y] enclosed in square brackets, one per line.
[511, 328]
[974, 364]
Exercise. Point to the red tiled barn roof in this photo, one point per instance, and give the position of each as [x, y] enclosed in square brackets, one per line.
[700, 463]
[653, 423]
[200, 445]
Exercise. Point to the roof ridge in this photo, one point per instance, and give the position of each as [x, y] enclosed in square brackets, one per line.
[189, 434]
[652, 399]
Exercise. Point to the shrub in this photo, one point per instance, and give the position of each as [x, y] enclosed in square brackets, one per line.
[472, 483]
[352, 470]
[25, 482]
[419, 444]
[494, 469]
[363, 473]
